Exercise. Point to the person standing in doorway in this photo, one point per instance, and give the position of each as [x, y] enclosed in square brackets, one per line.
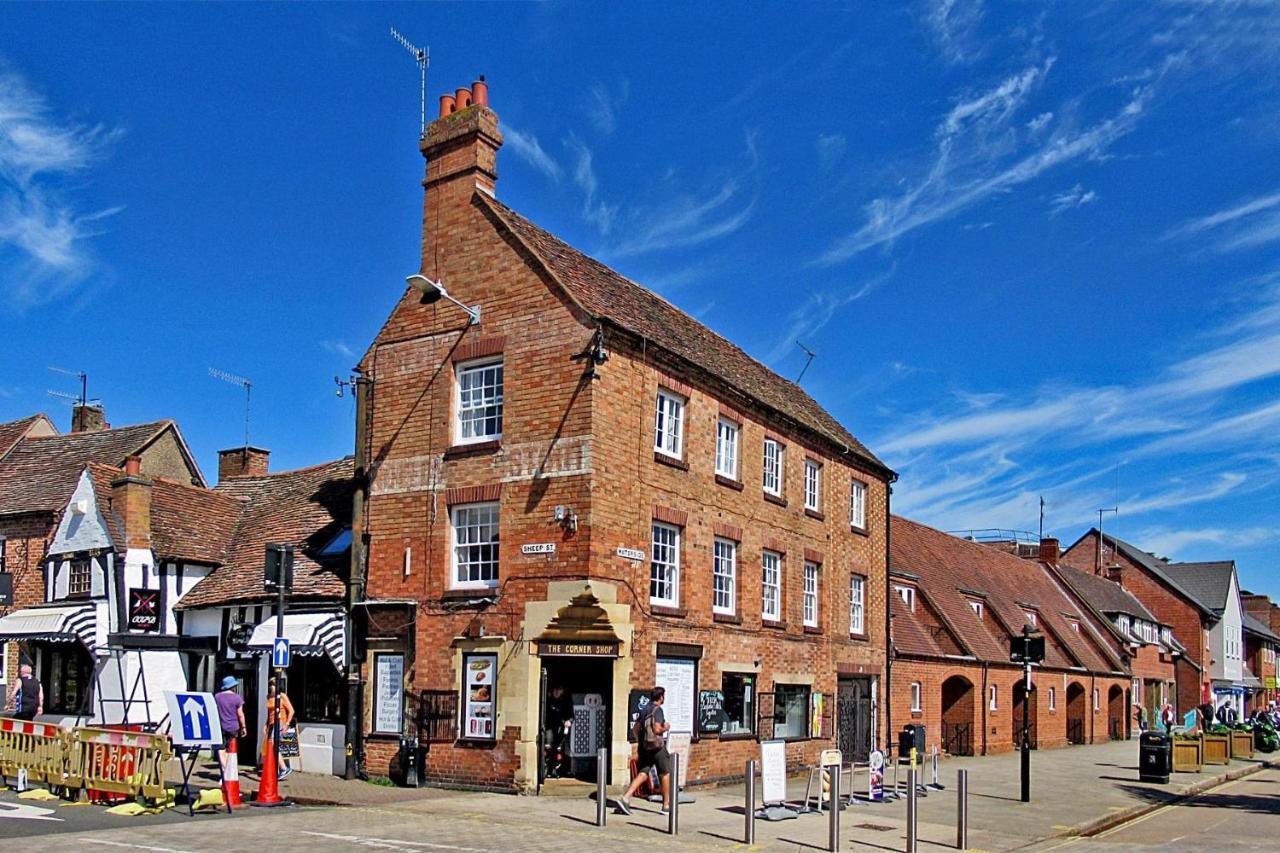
[27, 696]
[288, 737]
[230, 715]
[651, 738]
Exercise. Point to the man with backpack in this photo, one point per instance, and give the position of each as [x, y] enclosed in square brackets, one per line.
[650, 730]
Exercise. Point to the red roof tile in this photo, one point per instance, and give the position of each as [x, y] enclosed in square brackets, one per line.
[14, 431]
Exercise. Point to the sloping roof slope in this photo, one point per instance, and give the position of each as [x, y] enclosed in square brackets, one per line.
[1154, 565]
[1254, 625]
[1106, 595]
[608, 296]
[946, 565]
[306, 508]
[1209, 583]
[14, 431]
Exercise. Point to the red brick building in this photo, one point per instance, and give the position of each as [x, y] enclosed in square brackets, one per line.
[1261, 641]
[577, 485]
[956, 607]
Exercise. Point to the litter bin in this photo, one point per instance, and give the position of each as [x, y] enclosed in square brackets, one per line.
[1155, 757]
[413, 763]
[912, 737]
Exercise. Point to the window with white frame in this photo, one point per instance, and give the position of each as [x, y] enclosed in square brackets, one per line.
[976, 607]
[664, 566]
[1122, 622]
[858, 504]
[1097, 700]
[907, 594]
[724, 592]
[1033, 618]
[991, 697]
[80, 576]
[812, 486]
[479, 401]
[810, 594]
[475, 545]
[1053, 698]
[727, 448]
[771, 586]
[1075, 626]
[773, 466]
[1166, 636]
[915, 696]
[857, 604]
[668, 436]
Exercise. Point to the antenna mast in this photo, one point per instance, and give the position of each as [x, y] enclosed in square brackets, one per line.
[243, 383]
[423, 58]
[78, 374]
[811, 356]
[1114, 509]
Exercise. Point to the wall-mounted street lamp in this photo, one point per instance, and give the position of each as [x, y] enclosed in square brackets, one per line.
[433, 291]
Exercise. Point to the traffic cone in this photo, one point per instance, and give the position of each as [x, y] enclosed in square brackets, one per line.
[231, 777]
[269, 787]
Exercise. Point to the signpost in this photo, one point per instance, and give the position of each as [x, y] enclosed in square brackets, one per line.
[193, 726]
[1027, 649]
[280, 653]
[277, 577]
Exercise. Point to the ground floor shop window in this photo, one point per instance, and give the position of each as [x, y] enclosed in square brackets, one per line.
[791, 711]
[316, 690]
[67, 675]
[739, 703]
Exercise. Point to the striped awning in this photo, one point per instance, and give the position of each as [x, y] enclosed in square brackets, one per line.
[310, 634]
[59, 623]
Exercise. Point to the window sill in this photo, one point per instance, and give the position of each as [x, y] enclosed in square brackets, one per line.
[812, 629]
[916, 714]
[775, 624]
[727, 618]
[813, 513]
[856, 636]
[727, 481]
[739, 736]
[775, 499]
[860, 531]
[670, 461]
[475, 448]
[666, 610]
[469, 593]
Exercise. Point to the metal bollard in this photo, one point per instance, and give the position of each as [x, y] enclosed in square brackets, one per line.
[833, 811]
[673, 813]
[602, 776]
[911, 810]
[962, 811]
[749, 830]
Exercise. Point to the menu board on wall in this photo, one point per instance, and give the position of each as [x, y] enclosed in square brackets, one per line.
[479, 696]
[679, 676]
[388, 690]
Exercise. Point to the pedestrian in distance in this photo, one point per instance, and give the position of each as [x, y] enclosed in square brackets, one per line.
[650, 730]
[288, 735]
[27, 696]
[230, 716]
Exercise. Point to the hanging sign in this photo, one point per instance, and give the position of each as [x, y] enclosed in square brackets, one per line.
[773, 771]
[144, 610]
[480, 696]
[875, 778]
[388, 693]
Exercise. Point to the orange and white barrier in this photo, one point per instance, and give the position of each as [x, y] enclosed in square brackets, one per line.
[40, 749]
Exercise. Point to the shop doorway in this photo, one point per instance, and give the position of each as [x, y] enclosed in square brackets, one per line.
[853, 716]
[247, 672]
[957, 716]
[1024, 703]
[1075, 712]
[1115, 712]
[575, 716]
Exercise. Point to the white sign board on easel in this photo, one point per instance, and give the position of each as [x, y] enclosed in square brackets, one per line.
[773, 772]
[678, 744]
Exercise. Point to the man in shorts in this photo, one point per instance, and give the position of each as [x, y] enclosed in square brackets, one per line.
[651, 731]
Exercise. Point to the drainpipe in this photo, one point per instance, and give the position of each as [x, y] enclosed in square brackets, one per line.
[1093, 716]
[888, 620]
[356, 580]
[982, 700]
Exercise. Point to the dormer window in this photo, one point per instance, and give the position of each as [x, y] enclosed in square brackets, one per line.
[1032, 618]
[976, 607]
[80, 576]
[907, 594]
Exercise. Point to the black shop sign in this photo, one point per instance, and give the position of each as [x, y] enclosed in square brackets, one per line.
[144, 610]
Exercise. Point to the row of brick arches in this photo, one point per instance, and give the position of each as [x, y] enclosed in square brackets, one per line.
[961, 735]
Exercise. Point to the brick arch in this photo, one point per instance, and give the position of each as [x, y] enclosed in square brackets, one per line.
[1077, 703]
[959, 701]
[1115, 712]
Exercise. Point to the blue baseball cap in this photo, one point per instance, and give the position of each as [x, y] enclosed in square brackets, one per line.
[229, 682]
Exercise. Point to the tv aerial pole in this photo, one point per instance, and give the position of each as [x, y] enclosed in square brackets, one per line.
[423, 57]
[243, 383]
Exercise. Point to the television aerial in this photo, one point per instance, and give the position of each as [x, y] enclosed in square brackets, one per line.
[243, 383]
[423, 58]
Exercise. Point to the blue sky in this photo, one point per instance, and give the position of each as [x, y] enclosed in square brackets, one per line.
[1036, 247]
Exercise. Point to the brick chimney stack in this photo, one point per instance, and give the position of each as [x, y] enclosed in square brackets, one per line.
[90, 417]
[131, 502]
[1050, 551]
[243, 462]
[461, 149]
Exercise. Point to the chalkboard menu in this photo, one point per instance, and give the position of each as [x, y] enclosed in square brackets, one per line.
[636, 702]
[710, 712]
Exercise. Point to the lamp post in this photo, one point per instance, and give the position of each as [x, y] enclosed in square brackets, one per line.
[1027, 649]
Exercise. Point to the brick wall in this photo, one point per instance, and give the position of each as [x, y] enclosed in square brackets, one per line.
[28, 538]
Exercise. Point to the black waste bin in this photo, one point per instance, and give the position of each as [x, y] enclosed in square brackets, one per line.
[911, 737]
[1155, 757]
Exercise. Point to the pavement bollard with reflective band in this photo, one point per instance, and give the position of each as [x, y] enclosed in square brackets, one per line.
[911, 810]
[962, 811]
[602, 776]
[673, 813]
[833, 810]
[749, 832]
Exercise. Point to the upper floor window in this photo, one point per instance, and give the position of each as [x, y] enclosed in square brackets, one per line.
[664, 568]
[857, 604]
[907, 594]
[80, 576]
[773, 466]
[1122, 622]
[727, 449]
[976, 607]
[724, 580]
[991, 697]
[771, 586]
[475, 545]
[1166, 636]
[1075, 626]
[810, 594]
[915, 696]
[812, 486]
[1053, 698]
[858, 504]
[668, 436]
[479, 401]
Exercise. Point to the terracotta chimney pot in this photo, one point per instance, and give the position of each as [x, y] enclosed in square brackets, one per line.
[447, 105]
[480, 92]
[463, 98]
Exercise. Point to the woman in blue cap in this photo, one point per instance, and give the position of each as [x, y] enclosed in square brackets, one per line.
[230, 715]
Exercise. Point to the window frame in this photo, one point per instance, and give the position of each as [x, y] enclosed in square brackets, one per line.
[663, 417]
[977, 607]
[717, 561]
[1097, 700]
[778, 466]
[1053, 699]
[857, 504]
[860, 581]
[779, 705]
[813, 485]
[917, 704]
[74, 573]
[470, 366]
[993, 703]
[907, 594]
[814, 569]
[733, 444]
[455, 582]
[776, 614]
[750, 711]
[673, 565]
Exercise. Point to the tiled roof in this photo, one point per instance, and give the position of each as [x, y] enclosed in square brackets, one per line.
[610, 297]
[306, 508]
[1253, 625]
[1153, 564]
[13, 431]
[1208, 583]
[1106, 595]
[946, 565]
[39, 474]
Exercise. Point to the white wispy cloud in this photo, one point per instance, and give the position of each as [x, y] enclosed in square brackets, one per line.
[603, 105]
[830, 148]
[527, 148]
[813, 315]
[1170, 541]
[1070, 199]
[953, 25]
[594, 210]
[1245, 224]
[44, 230]
[338, 348]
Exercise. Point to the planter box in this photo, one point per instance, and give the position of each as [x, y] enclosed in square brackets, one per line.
[1187, 756]
[1242, 744]
[1217, 749]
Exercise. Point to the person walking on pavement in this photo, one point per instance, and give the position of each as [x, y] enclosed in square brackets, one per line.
[27, 696]
[650, 732]
[230, 716]
[288, 738]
